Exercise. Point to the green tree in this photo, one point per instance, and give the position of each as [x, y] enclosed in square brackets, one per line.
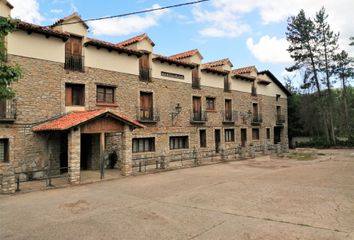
[327, 45]
[352, 43]
[303, 40]
[8, 74]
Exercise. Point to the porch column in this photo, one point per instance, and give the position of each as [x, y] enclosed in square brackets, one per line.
[74, 145]
[127, 162]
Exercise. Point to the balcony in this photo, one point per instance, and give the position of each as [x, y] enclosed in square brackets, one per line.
[280, 119]
[229, 117]
[199, 117]
[145, 74]
[196, 82]
[227, 85]
[257, 119]
[74, 62]
[147, 115]
[7, 111]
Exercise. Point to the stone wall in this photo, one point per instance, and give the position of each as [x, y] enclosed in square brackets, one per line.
[41, 96]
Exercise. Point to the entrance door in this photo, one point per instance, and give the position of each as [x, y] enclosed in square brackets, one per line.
[217, 140]
[63, 153]
[277, 135]
[243, 137]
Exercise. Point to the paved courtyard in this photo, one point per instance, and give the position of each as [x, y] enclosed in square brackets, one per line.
[261, 198]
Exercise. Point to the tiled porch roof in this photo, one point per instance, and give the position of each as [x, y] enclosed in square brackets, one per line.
[76, 118]
[136, 39]
[218, 63]
[29, 27]
[244, 70]
[184, 54]
[111, 46]
[170, 60]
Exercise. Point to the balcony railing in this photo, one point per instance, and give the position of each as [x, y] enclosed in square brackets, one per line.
[7, 110]
[229, 116]
[147, 115]
[257, 119]
[196, 82]
[74, 62]
[227, 85]
[199, 117]
[280, 119]
[145, 74]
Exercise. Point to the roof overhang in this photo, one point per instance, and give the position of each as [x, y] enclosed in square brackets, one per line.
[112, 47]
[276, 81]
[171, 61]
[76, 119]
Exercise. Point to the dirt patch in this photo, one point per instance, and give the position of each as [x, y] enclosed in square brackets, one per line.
[77, 207]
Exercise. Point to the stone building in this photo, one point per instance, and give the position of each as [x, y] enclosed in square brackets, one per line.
[80, 98]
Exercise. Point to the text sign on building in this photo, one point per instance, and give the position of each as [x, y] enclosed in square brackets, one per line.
[172, 75]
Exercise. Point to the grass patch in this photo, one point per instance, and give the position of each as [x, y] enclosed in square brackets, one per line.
[302, 156]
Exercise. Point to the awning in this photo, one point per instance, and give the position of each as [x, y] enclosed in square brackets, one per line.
[78, 118]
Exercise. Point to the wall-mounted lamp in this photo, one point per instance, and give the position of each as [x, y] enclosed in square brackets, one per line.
[177, 111]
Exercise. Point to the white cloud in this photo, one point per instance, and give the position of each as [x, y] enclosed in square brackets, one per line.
[127, 25]
[232, 12]
[56, 11]
[28, 12]
[270, 49]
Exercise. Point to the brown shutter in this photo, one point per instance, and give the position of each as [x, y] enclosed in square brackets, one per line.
[197, 107]
[144, 61]
[2, 108]
[68, 96]
[255, 109]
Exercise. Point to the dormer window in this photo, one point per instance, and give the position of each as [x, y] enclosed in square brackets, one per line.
[144, 68]
[73, 54]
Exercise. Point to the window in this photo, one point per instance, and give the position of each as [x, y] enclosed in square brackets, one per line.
[227, 87]
[4, 150]
[73, 54]
[210, 103]
[143, 145]
[74, 94]
[105, 94]
[277, 97]
[202, 138]
[229, 135]
[228, 110]
[195, 78]
[146, 106]
[268, 133]
[254, 90]
[179, 142]
[144, 68]
[255, 133]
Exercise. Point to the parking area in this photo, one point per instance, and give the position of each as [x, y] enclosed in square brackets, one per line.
[263, 198]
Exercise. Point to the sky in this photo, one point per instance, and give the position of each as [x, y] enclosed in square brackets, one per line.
[248, 32]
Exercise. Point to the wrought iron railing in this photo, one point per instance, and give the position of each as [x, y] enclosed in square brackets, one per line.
[145, 74]
[7, 110]
[280, 119]
[257, 119]
[199, 116]
[196, 82]
[148, 115]
[74, 62]
[229, 116]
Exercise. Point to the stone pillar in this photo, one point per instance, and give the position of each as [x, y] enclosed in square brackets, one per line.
[278, 148]
[127, 162]
[8, 179]
[243, 153]
[197, 157]
[251, 152]
[265, 149]
[74, 147]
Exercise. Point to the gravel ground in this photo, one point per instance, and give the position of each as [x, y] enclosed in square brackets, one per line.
[263, 198]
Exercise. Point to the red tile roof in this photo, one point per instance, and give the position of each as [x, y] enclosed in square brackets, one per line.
[214, 70]
[244, 77]
[111, 46]
[244, 70]
[75, 14]
[135, 40]
[174, 61]
[29, 27]
[76, 118]
[184, 54]
[218, 63]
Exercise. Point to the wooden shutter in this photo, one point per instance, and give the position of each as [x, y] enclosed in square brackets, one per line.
[68, 96]
[228, 106]
[195, 73]
[255, 109]
[2, 108]
[197, 107]
[144, 61]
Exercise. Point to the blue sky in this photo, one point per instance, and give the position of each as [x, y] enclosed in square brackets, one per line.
[247, 32]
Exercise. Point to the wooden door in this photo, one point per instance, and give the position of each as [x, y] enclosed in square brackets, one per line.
[255, 110]
[202, 138]
[197, 108]
[243, 137]
[217, 138]
[146, 105]
[228, 109]
[73, 46]
[277, 135]
[144, 61]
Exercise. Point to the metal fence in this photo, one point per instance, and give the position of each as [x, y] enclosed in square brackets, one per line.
[46, 174]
